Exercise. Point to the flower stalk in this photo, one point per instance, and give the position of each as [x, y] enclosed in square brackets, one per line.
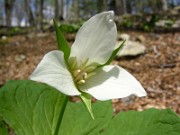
[61, 114]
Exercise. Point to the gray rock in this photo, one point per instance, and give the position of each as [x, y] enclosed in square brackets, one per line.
[176, 24]
[123, 36]
[3, 37]
[141, 38]
[129, 100]
[164, 23]
[178, 38]
[175, 11]
[41, 35]
[131, 48]
[30, 36]
[20, 58]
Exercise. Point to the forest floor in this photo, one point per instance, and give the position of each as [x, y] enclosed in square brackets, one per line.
[158, 69]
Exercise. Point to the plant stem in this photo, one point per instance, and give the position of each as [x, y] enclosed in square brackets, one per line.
[64, 100]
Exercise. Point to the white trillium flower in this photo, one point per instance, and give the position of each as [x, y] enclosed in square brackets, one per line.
[93, 46]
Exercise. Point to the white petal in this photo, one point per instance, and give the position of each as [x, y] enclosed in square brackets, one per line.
[52, 70]
[112, 82]
[96, 39]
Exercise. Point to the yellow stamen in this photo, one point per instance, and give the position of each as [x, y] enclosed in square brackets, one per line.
[76, 72]
[85, 75]
[83, 65]
[90, 68]
[81, 82]
[90, 74]
[73, 63]
[79, 76]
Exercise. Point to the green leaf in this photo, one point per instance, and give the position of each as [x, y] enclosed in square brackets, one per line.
[114, 53]
[77, 121]
[87, 102]
[62, 43]
[69, 28]
[31, 108]
[3, 128]
[148, 122]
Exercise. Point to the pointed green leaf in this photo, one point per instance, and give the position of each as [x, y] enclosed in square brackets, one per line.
[114, 53]
[62, 43]
[148, 122]
[87, 102]
[31, 108]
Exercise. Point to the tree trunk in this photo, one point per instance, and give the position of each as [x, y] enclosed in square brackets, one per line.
[39, 15]
[124, 7]
[8, 9]
[164, 5]
[59, 10]
[101, 5]
[140, 4]
[19, 12]
[29, 13]
[128, 6]
[76, 9]
[66, 9]
[56, 7]
[41, 11]
[120, 7]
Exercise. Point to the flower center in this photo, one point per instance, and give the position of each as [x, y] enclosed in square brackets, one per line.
[81, 71]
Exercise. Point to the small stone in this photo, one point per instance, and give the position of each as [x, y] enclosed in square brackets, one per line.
[176, 24]
[178, 38]
[141, 38]
[155, 36]
[155, 106]
[164, 23]
[137, 64]
[41, 35]
[128, 100]
[30, 36]
[123, 37]
[3, 37]
[20, 58]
